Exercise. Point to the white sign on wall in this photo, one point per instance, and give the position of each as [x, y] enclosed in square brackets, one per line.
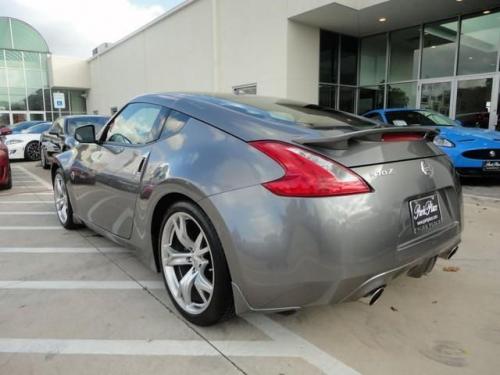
[59, 101]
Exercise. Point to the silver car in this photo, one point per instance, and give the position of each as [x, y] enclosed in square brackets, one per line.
[264, 204]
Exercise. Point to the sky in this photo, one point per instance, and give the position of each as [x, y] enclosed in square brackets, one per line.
[75, 27]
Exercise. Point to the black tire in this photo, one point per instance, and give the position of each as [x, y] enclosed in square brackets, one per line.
[69, 222]
[43, 159]
[221, 305]
[32, 151]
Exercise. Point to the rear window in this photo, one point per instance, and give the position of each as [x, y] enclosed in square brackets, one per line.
[425, 118]
[291, 112]
[73, 123]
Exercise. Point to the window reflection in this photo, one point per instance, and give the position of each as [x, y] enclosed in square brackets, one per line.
[439, 43]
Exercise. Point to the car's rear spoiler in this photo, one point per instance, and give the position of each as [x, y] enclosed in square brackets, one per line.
[341, 142]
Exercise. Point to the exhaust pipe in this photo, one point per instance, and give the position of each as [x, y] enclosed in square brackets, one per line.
[452, 252]
[375, 295]
[449, 254]
[371, 297]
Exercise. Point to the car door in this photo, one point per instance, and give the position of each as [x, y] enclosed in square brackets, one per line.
[106, 180]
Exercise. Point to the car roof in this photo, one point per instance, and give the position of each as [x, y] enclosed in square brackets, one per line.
[232, 114]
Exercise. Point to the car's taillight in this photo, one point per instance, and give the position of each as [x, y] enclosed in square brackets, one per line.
[401, 137]
[308, 174]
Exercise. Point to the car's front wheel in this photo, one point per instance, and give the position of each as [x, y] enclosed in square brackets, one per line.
[61, 199]
[193, 265]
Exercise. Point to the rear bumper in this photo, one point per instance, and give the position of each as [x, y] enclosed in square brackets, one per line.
[286, 253]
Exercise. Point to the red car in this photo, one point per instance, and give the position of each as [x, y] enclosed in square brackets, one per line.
[5, 175]
[5, 130]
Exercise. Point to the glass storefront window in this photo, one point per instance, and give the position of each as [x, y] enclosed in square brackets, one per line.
[405, 54]
[349, 60]
[328, 56]
[4, 99]
[371, 97]
[34, 78]
[35, 99]
[16, 77]
[372, 62]
[31, 60]
[436, 97]
[439, 44]
[4, 119]
[479, 43]
[14, 59]
[327, 95]
[402, 95]
[5, 41]
[474, 102]
[347, 99]
[26, 38]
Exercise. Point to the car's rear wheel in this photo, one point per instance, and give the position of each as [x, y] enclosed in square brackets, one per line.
[43, 159]
[193, 265]
[61, 199]
[32, 151]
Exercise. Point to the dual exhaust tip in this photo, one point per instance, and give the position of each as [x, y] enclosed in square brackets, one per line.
[374, 295]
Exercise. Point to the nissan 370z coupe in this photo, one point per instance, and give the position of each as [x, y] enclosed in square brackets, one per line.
[252, 203]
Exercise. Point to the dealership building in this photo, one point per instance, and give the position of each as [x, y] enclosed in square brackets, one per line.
[352, 55]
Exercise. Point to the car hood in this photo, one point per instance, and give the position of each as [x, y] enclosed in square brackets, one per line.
[460, 135]
[23, 137]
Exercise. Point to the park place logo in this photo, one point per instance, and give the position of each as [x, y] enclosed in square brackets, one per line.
[426, 168]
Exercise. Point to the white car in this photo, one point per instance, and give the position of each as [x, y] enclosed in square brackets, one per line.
[26, 144]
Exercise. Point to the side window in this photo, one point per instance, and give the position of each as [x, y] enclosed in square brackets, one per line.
[137, 124]
[57, 127]
[174, 123]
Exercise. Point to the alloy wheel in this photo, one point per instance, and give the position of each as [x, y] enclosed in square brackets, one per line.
[61, 198]
[33, 151]
[187, 263]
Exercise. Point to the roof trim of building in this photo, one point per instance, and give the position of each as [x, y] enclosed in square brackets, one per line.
[153, 22]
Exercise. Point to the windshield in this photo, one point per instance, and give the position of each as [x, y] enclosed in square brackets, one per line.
[38, 129]
[75, 122]
[420, 117]
[16, 128]
[290, 112]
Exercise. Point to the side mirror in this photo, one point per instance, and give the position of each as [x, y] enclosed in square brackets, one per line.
[85, 134]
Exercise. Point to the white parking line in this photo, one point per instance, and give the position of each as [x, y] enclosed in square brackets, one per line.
[61, 250]
[109, 347]
[71, 285]
[31, 227]
[25, 202]
[481, 197]
[26, 213]
[35, 177]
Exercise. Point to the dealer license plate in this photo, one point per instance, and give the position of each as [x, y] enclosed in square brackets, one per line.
[425, 213]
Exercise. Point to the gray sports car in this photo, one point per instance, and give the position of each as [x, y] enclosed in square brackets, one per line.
[252, 203]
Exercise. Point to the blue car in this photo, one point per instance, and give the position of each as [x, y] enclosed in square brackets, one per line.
[474, 152]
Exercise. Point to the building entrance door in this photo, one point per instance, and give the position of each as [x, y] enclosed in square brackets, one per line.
[436, 96]
[477, 102]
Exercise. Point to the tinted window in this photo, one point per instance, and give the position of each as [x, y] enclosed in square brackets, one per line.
[405, 118]
[290, 112]
[137, 123]
[72, 123]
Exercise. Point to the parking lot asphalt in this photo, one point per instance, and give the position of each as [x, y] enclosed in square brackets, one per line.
[72, 302]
